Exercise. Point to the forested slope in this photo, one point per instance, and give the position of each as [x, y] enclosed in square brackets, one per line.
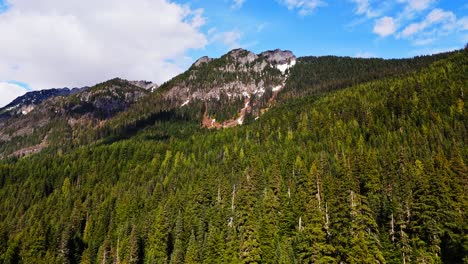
[374, 173]
[318, 75]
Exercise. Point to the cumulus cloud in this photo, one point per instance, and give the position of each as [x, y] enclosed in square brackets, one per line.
[9, 92]
[55, 43]
[305, 7]
[385, 26]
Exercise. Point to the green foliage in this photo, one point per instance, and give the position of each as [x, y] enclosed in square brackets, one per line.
[374, 173]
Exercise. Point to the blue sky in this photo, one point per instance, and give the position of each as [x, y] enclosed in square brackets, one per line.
[73, 43]
[334, 27]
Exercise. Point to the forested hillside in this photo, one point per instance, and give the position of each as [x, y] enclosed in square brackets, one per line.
[372, 173]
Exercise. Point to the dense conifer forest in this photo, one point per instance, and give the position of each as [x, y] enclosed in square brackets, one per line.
[367, 168]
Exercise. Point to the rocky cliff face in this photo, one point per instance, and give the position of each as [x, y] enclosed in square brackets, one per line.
[240, 77]
[278, 57]
[150, 86]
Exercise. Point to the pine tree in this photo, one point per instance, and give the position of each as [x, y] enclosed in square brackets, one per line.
[178, 253]
[269, 231]
[191, 255]
[312, 238]
[250, 251]
[364, 243]
[134, 247]
[156, 249]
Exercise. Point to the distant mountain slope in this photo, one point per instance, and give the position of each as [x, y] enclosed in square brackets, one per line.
[58, 120]
[372, 173]
[26, 103]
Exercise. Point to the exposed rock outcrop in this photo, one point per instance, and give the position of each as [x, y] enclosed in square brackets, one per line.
[278, 56]
[202, 60]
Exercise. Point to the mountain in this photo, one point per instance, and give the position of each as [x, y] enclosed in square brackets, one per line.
[64, 114]
[349, 161]
[26, 103]
[232, 90]
[241, 81]
[240, 86]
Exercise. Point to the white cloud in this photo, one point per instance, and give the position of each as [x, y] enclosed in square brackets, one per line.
[437, 23]
[363, 7]
[236, 4]
[9, 92]
[385, 26]
[55, 43]
[419, 5]
[305, 7]
[413, 8]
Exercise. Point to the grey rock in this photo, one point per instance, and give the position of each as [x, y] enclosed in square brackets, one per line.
[243, 56]
[202, 60]
[278, 56]
[145, 85]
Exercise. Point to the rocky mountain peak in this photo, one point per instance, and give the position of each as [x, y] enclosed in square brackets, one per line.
[278, 56]
[243, 56]
[202, 60]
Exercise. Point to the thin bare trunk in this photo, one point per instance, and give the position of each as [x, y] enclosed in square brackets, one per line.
[392, 230]
[327, 219]
[233, 198]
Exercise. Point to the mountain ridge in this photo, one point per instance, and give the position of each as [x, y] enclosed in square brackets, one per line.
[224, 92]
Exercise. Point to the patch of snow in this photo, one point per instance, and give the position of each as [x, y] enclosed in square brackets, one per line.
[185, 103]
[245, 94]
[240, 121]
[277, 88]
[11, 108]
[284, 67]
